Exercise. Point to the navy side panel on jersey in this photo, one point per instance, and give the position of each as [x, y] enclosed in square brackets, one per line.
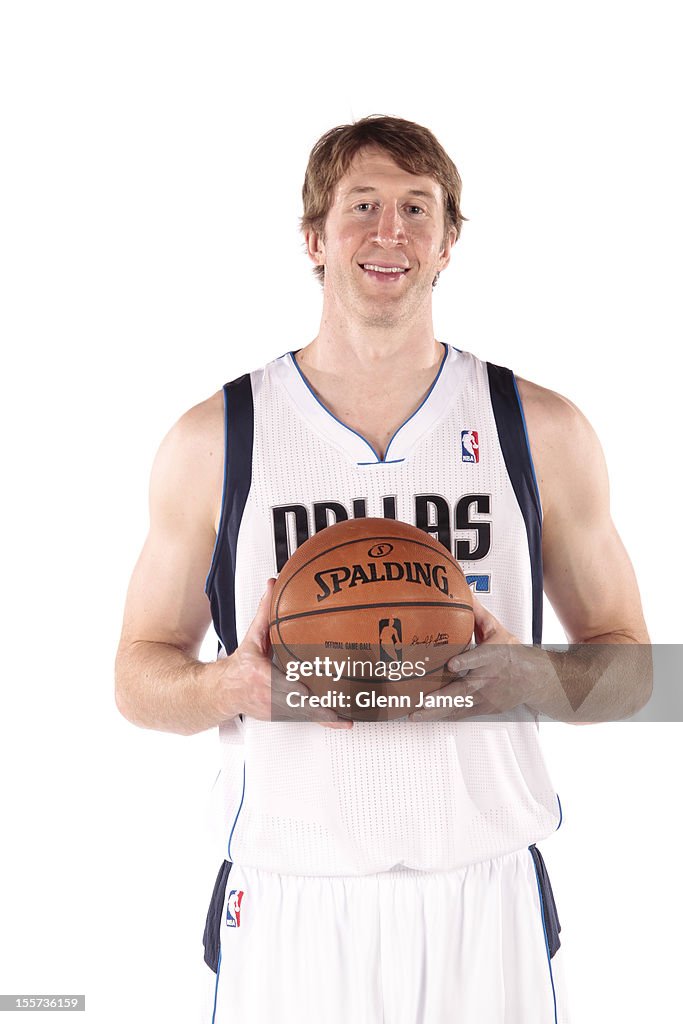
[514, 443]
[239, 442]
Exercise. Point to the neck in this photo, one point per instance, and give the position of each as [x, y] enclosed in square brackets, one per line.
[345, 345]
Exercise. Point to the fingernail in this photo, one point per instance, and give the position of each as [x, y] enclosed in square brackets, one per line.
[453, 665]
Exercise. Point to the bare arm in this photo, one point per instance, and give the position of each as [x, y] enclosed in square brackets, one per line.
[160, 683]
[606, 674]
[588, 576]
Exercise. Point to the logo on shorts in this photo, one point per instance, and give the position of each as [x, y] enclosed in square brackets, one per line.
[233, 906]
[469, 444]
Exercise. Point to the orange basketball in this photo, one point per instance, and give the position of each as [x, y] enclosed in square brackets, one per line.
[381, 605]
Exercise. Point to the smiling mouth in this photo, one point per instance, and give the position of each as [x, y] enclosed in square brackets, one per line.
[376, 269]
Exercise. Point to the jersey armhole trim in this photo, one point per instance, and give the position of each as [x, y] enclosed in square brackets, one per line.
[514, 446]
[222, 517]
[528, 446]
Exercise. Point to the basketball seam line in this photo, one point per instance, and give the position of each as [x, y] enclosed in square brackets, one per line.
[446, 605]
[380, 537]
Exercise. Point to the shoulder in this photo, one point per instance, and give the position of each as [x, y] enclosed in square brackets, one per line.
[198, 432]
[564, 446]
[188, 468]
[547, 410]
[553, 421]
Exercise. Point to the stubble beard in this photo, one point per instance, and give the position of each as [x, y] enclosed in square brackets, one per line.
[386, 315]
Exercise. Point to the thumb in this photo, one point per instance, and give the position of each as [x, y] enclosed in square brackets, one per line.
[485, 624]
[258, 632]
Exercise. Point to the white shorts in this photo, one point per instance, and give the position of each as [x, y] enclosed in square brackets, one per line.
[403, 947]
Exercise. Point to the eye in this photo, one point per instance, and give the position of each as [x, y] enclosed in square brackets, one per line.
[415, 209]
[362, 207]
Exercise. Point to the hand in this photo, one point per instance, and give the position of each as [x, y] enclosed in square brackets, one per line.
[499, 673]
[258, 687]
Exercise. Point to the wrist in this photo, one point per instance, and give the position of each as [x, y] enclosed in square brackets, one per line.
[550, 697]
[222, 683]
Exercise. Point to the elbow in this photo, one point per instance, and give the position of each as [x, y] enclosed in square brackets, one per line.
[623, 684]
[123, 696]
[644, 681]
[637, 676]
[121, 701]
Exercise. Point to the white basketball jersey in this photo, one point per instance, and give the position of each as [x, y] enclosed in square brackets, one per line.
[433, 796]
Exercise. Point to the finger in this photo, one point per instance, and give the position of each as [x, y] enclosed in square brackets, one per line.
[476, 657]
[450, 697]
[480, 685]
[280, 684]
[280, 697]
[476, 679]
[285, 708]
[479, 708]
[301, 710]
[259, 629]
[326, 716]
[485, 624]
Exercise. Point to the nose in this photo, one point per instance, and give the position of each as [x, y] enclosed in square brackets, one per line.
[389, 228]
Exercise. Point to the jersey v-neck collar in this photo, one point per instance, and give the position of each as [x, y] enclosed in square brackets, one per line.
[434, 405]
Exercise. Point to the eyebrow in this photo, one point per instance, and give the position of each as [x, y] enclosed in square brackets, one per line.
[369, 188]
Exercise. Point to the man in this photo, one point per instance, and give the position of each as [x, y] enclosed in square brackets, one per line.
[379, 871]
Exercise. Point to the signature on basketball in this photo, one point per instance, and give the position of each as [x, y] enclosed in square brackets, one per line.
[431, 640]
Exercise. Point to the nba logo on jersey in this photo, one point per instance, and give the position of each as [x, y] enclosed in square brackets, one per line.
[469, 444]
[233, 905]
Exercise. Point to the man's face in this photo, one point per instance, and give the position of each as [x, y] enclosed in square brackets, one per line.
[384, 241]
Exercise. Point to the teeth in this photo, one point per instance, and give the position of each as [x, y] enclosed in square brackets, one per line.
[384, 270]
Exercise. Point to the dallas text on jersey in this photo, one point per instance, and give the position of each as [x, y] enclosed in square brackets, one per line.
[432, 513]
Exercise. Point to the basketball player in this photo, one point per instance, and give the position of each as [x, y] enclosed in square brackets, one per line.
[375, 872]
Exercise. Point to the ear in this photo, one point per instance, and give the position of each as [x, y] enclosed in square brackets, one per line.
[315, 247]
[448, 243]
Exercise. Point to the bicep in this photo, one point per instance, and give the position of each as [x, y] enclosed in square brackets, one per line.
[589, 579]
[588, 576]
[166, 601]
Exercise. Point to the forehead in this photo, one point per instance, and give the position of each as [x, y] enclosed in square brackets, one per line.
[375, 170]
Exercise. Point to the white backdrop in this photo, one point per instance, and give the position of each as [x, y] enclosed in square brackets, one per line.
[153, 159]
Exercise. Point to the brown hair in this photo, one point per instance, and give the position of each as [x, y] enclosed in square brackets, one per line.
[411, 146]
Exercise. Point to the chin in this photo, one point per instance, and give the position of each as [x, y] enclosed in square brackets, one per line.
[383, 317]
